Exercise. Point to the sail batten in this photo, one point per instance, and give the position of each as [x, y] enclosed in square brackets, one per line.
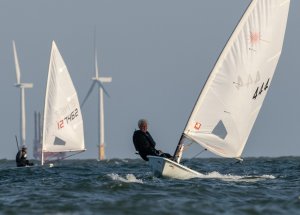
[231, 99]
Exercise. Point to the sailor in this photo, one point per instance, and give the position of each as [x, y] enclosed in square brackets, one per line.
[144, 143]
[21, 158]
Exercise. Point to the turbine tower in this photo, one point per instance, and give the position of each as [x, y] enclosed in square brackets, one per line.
[22, 87]
[99, 81]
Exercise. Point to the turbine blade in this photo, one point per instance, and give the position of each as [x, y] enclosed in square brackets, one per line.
[96, 64]
[88, 94]
[101, 85]
[96, 54]
[18, 73]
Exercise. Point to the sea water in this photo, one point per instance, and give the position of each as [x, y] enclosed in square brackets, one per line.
[255, 186]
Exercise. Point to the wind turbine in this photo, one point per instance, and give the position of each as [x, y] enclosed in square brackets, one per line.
[97, 80]
[22, 87]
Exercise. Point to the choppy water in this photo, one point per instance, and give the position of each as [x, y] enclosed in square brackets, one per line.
[257, 186]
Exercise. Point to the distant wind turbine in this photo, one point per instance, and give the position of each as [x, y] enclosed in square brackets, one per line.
[22, 87]
[99, 81]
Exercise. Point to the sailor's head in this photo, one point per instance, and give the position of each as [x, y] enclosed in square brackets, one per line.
[143, 125]
[24, 148]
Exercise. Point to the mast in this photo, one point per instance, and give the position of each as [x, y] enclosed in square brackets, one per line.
[179, 149]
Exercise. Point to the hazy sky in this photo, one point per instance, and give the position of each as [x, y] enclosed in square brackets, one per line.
[159, 54]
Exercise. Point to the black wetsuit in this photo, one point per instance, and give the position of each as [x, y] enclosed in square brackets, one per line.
[21, 159]
[145, 145]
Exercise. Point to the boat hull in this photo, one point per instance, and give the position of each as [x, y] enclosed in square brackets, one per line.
[163, 167]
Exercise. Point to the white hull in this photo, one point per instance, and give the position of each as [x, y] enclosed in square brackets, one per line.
[163, 167]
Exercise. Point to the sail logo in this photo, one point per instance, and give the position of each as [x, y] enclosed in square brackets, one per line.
[197, 125]
[254, 37]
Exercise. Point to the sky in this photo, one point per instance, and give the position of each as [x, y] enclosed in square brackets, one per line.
[159, 55]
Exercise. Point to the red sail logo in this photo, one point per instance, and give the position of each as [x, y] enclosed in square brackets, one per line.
[197, 125]
[254, 37]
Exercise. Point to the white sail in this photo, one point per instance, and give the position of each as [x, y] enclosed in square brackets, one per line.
[230, 101]
[63, 124]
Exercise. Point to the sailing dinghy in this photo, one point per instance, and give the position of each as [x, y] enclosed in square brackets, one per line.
[233, 94]
[63, 124]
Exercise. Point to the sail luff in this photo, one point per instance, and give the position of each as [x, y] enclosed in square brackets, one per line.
[45, 104]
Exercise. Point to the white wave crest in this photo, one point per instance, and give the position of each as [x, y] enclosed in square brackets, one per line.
[229, 177]
[129, 178]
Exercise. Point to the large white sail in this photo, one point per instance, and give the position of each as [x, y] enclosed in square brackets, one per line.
[230, 101]
[63, 125]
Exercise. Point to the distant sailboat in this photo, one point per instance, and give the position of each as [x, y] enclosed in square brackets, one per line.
[230, 101]
[63, 124]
